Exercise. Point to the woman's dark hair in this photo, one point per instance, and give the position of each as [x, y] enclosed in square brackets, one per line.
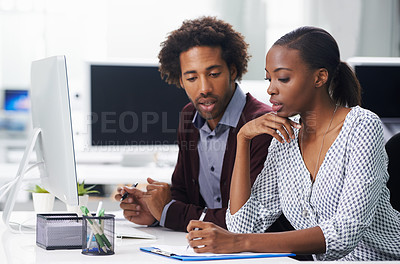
[204, 31]
[318, 49]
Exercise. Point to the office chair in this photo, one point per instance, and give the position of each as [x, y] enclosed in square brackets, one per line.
[393, 151]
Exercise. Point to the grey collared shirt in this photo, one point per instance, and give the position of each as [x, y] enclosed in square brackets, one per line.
[211, 149]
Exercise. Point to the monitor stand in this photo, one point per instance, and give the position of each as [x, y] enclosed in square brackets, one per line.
[16, 185]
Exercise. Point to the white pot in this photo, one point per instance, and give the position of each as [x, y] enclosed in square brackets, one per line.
[83, 200]
[43, 202]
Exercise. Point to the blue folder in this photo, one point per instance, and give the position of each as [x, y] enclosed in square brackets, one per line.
[160, 252]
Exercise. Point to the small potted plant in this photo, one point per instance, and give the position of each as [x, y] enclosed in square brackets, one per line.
[83, 196]
[43, 201]
[83, 193]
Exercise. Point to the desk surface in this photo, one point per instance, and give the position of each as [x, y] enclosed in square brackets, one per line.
[21, 248]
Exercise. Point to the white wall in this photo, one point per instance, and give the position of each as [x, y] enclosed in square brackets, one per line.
[85, 30]
[126, 29]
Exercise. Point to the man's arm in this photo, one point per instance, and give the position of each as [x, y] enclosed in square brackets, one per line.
[180, 214]
[183, 210]
[188, 204]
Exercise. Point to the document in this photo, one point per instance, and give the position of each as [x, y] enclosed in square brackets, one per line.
[126, 229]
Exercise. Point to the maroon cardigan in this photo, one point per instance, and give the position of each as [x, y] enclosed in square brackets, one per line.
[185, 184]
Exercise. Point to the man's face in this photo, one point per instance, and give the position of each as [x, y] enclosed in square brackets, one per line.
[208, 81]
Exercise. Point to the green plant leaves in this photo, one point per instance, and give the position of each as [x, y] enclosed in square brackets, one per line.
[82, 190]
[38, 189]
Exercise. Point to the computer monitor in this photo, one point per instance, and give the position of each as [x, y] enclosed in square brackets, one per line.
[52, 134]
[16, 100]
[380, 82]
[15, 117]
[132, 107]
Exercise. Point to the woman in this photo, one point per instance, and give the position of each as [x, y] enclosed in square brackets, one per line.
[327, 174]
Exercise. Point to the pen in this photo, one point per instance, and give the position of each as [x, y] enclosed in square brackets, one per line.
[98, 233]
[202, 216]
[97, 214]
[95, 231]
[126, 193]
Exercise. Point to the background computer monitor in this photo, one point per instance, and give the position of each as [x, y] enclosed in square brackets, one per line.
[16, 100]
[132, 106]
[15, 117]
[380, 82]
[52, 134]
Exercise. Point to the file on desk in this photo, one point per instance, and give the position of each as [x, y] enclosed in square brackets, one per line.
[125, 229]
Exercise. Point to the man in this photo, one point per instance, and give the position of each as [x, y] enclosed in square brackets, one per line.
[205, 57]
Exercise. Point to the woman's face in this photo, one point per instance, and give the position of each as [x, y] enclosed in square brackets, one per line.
[292, 84]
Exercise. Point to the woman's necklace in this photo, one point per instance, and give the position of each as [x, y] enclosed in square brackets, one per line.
[305, 212]
[322, 144]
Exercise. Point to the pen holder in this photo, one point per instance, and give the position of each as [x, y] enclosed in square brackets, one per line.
[98, 235]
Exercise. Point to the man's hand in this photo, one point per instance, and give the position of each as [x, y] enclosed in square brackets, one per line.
[134, 206]
[157, 196]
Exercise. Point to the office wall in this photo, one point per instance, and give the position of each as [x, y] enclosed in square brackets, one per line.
[380, 31]
[86, 30]
[368, 28]
[128, 30]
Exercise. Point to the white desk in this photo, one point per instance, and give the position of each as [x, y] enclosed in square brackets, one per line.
[21, 249]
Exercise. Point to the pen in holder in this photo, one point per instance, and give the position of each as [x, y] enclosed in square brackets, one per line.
[102, 241]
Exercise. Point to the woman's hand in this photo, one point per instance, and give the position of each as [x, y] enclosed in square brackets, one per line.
[208, 237]
[214, 239]
[269, 124]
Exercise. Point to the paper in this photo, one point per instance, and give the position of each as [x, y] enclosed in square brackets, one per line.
[181, 250]
[126, 229]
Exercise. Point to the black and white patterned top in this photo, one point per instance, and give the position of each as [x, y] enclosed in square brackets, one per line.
[349, 199]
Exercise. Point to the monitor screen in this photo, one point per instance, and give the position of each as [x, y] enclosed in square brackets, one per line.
[16, 100]
[132, 105]
[380, 89]
[380, 84]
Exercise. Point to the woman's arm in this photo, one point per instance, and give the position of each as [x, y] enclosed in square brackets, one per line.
[361, 191]
[267, 124]
[240, 183]
[218, 240]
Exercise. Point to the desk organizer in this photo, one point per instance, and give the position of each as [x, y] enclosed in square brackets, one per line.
[59, 231]
[98, 235]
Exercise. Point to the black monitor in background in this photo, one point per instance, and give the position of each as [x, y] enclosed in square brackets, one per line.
[380, 89]
[380, 83]
[132, 106]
